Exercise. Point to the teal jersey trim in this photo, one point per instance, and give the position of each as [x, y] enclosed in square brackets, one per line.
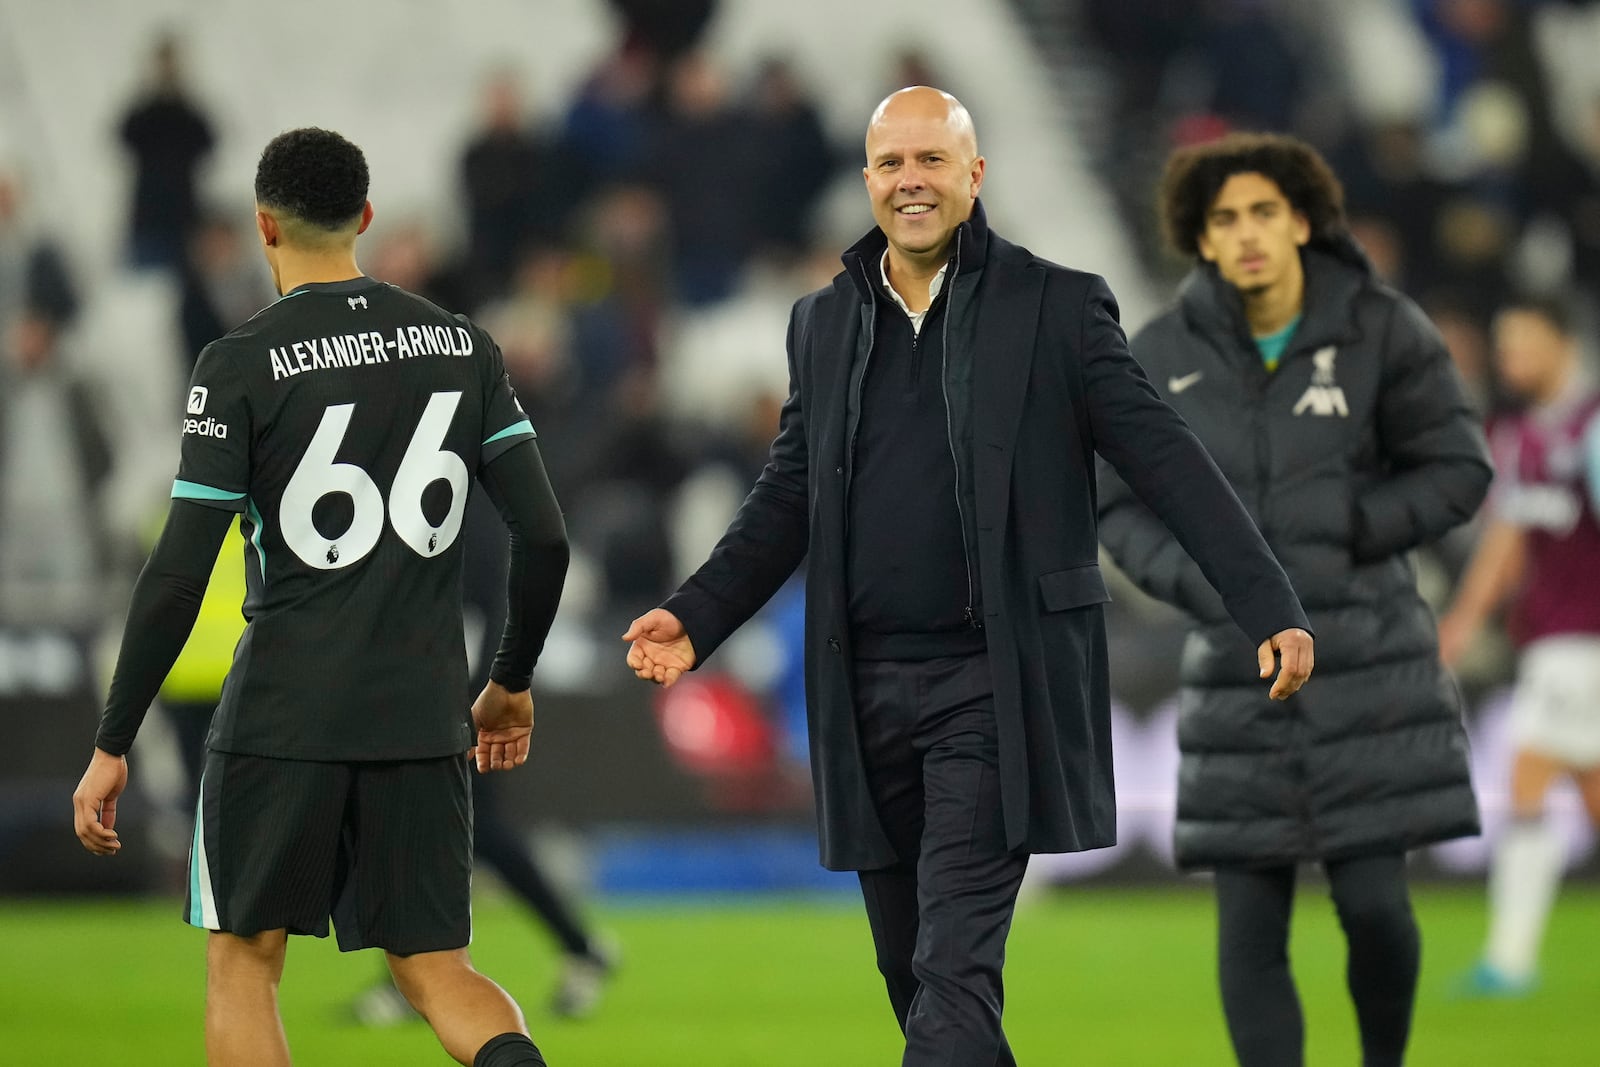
[1272, 346]
[510, 431]
[195, 916]
[182, 490]
[202, 887]
[255, 536]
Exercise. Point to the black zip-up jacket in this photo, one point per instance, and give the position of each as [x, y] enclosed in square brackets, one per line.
[1359, 447]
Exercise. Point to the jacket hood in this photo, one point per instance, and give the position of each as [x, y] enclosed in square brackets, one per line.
[861, 259]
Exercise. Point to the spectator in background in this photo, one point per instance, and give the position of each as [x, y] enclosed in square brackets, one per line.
[55, 454]
[1332, 407]
[626, 233]
[913, 66]
[1541, 555]
[664, 28]
[533, 324]
[707, 164]
[632, 467]
[1458, 323]
[222, 285]
[1387, 173]
[793, 149]
[55, 451]
[168, 136]
[1254, 73]
[607, 126]
[520, 187]
[405, 254]
[33, 269]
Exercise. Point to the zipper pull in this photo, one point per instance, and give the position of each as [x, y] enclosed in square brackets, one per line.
[972, 618]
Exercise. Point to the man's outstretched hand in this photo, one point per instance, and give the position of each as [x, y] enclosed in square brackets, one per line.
[1294, 650]
[505, 728]
[661, 650]
[94, 803]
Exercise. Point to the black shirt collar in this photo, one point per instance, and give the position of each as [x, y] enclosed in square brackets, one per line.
[349, 285]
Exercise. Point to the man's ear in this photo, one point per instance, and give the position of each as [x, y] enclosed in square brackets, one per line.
[366, 217]
[267, 226]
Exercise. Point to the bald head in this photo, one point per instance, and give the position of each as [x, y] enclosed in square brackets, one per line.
[922, 104]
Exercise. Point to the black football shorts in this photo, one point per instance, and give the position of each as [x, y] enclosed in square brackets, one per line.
[384, 848]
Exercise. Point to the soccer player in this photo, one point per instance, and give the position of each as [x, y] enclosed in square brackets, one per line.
[1541, 551]
[343, 425]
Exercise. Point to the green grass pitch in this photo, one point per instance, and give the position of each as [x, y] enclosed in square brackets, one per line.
[1097, 976]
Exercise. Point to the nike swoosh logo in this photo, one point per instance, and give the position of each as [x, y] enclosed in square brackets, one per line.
[1178, 385]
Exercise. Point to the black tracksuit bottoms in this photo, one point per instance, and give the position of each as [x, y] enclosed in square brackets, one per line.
[1258, 992]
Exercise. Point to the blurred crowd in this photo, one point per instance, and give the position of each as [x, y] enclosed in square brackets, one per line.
[636, 255]
[1466, 134]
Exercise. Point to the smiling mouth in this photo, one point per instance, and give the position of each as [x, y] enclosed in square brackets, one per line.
[912, 211]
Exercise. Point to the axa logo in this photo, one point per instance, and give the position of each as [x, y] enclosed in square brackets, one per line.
[197, 400]
[356, 301]
[1323, 396]
[206, 427]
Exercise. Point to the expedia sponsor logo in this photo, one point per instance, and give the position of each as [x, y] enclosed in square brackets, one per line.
[206, 427]
[197, 400]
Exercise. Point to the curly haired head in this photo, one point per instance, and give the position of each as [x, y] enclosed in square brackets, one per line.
[1196, 174]
[313, 177]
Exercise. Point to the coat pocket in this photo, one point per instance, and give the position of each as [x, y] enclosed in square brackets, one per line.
[1075, 587]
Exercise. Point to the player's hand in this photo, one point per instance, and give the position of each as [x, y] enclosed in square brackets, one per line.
[1296, 657]
[94, 803]
[661, 650]
[505, 728]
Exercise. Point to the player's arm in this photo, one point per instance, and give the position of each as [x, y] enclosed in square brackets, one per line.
[166, 600]
[518, 486]
[1494, 571]
[520, 489]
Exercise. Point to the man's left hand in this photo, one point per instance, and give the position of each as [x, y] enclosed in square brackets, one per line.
[1296, 657]
[505, 728]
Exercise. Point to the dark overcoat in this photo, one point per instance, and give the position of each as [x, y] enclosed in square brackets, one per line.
[1039, 379]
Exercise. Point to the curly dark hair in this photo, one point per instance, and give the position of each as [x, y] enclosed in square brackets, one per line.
[313, 175]
[1196, 174]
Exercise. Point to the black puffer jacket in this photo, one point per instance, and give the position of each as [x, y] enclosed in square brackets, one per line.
[1358, 448]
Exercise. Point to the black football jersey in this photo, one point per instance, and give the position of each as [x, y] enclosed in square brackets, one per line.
[345, 424]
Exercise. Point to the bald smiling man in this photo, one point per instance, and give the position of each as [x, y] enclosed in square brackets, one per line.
[935, 463]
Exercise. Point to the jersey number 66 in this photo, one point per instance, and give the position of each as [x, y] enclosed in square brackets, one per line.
[424, 463]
